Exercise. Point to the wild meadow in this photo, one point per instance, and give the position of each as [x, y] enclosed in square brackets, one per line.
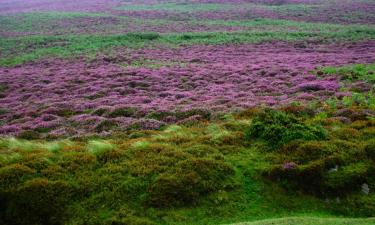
[187, 112]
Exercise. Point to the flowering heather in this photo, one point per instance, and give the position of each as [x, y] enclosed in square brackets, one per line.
[92, 67]
[150, 112]
[16, 6]
[114, 93]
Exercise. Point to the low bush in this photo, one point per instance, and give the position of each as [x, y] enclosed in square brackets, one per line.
[38, 201]
[278, 128]
[332, 167]
[188, 182]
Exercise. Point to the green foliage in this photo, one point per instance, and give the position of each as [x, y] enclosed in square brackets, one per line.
[278, 128]
[191, 174]
[363, 205]
[334, 167]
[99, 148]
[37, 201]
[311, 221]
[191, 179]
[362, 99]
[353, 72]
[348, 176]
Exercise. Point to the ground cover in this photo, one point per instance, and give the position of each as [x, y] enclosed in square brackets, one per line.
[187, 112]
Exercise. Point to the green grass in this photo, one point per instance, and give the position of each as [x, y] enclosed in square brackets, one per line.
[312, 221]
[287, 25]
[353, 72]
[179, 7]
[293, 8]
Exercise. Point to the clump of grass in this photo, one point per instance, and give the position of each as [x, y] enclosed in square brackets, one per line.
[17, 144]
[218, 135]
[141, 144]
[98, 147]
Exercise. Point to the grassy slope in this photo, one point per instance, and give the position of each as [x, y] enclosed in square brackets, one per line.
[202, 173]
[312, 221]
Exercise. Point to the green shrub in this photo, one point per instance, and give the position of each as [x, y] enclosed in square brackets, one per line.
[13, 174]
[370, 149]
[191, 179]
[348, 177]
[278, 128]
[38, 201]
[355, 205]
[322, 167]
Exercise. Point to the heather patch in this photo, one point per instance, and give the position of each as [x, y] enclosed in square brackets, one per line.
[110, 94]
[91, 6]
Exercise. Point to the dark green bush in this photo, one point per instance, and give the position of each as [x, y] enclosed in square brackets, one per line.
[278, 128]
[14, 174]
[38, 201]
[370, 149]
[348, 177]
[354, 205]
[323, 167]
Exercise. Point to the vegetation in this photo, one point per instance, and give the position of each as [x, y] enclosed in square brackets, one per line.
[182, 174]
[187, 113]
[17, 50]
[311, 221]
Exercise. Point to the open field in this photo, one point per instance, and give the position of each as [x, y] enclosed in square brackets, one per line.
[187, 112]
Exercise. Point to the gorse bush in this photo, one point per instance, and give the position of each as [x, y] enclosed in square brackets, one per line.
[278, 128]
